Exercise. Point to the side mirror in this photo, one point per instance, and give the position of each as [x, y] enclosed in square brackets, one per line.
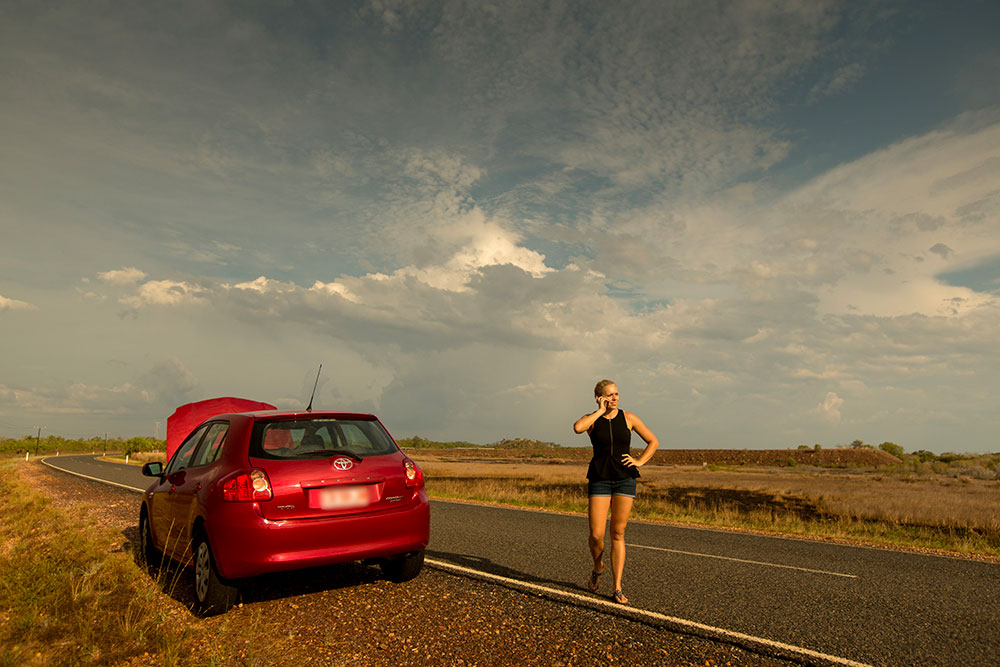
[152, 469]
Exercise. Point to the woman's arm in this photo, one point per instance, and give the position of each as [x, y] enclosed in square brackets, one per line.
[651, 442]
[585, 422]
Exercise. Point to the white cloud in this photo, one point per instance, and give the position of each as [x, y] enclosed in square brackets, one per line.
[435, 169]
[14, 304]
[500, 202]
[841, 80]
[478, 244]
[128, 275]
[264, 285]
[165, 293]
[830, 407]
[859, 237]
[336, 288]
[892, 294]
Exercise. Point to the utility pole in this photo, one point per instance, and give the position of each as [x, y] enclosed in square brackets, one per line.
[156, 435]
[38, 438]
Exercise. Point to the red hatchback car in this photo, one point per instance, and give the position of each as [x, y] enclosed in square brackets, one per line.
[257, 492]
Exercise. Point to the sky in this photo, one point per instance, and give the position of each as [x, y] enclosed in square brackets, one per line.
[771, 223]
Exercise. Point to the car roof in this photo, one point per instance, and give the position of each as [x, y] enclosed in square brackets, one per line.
[261, 415]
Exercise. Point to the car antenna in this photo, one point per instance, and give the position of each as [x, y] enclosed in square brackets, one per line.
[309, 409]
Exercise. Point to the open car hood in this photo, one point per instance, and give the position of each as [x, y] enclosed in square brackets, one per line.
[188, 416]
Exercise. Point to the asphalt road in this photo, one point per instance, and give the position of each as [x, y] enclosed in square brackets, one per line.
[858, 604]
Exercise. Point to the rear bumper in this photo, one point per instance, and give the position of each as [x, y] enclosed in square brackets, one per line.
[246, 545]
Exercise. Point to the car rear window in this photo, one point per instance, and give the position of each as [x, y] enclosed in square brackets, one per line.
[319, 438]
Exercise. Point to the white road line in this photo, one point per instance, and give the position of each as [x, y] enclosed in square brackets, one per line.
[609, 606]
[637, 546]
[751, 562]
[643, 613]
[95, 479]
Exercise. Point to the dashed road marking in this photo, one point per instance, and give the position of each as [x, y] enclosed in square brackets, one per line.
[750, 562]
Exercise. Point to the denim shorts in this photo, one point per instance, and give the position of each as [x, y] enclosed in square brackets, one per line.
[611, 487]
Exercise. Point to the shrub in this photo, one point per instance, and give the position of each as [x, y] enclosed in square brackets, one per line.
[976, 472]
[892, 448]
[142, 444]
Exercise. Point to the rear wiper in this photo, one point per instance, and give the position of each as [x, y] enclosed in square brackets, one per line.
[345, 452]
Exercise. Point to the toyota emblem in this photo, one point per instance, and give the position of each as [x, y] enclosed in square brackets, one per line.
[343, 463]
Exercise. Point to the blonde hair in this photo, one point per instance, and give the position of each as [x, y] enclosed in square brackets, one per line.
[599, 388]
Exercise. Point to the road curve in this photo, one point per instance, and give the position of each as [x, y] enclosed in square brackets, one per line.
[814, 602]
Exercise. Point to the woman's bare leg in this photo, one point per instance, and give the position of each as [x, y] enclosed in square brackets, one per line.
[621, 507]
[598, 514]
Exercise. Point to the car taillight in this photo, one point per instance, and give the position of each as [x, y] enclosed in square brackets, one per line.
[247, 486]
[414, 475]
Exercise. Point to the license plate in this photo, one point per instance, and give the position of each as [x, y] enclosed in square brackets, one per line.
[344, 497]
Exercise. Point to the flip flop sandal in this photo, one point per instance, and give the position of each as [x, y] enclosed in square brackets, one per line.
[595, 580]
[619, 597]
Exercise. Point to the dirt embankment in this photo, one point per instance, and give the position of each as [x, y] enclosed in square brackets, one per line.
[862, 457]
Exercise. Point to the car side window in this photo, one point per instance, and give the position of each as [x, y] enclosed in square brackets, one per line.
[211, 448]
[182, 458]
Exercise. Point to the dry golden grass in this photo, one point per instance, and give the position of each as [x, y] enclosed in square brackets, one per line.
[902, 507]
[928, 512]
[931, 501]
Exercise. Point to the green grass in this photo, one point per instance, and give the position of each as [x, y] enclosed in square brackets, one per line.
[69, 593]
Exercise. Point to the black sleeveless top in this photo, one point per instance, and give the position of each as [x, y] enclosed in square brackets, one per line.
[610, 438]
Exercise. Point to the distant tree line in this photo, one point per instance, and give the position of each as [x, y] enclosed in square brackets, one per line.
[923, 462]
[52, 444]
[524, 443]
[417, 442]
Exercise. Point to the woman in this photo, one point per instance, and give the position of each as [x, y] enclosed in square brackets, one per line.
[612, 474]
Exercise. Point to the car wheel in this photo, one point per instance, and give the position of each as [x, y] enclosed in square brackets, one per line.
[213, 595]
[404, 568]
[147, 550]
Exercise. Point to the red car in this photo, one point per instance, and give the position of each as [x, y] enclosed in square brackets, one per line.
[256, 492]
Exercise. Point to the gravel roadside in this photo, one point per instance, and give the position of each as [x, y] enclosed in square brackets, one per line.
[349, 615]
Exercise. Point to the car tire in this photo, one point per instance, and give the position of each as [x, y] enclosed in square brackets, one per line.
[147, 550]
[404, 568]
[213, 595]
